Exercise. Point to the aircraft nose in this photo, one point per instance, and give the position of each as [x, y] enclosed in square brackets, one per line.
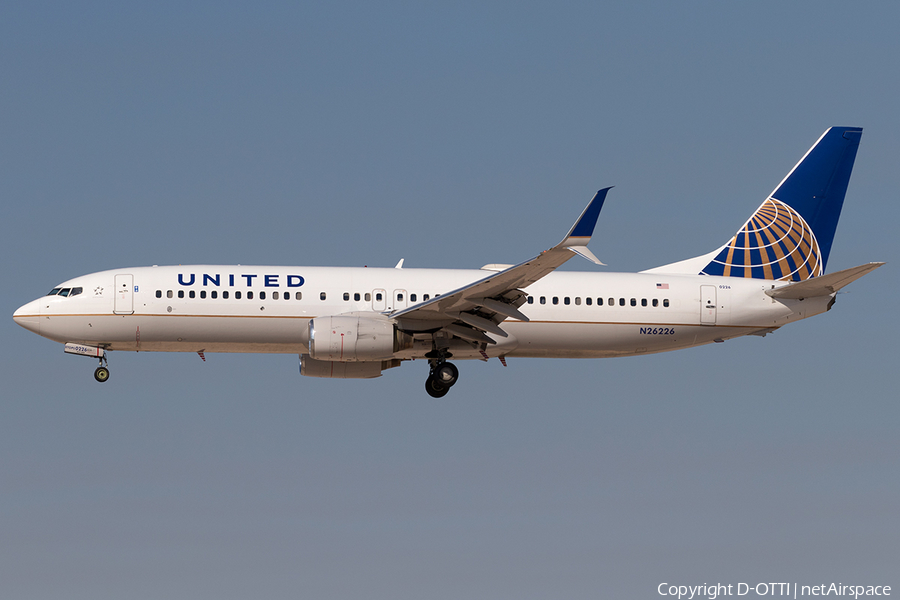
[29, 316]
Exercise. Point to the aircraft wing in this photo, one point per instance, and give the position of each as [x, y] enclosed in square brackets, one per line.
[473, 311]
[823, 285]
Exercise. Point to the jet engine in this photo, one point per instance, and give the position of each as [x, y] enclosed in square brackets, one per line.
[355, 338]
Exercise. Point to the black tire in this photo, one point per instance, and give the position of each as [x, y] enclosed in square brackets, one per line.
[446, 374]
[435, 388]
[101, 374]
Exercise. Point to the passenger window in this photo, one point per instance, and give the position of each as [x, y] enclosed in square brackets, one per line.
[192, 294]
[577, 300]
[181, 293]
[378, 297]
[612, 302]
[159, 293]
[214, 294]
[356, 296]
[250, 295]
[643, 302]
[203, 294]
[587, 301]
[299, 295]
[322, 295]
[621, 301]
[367, 297]
[262, 295]
[666, 302]
[399, 297]
[655, 303]
[543, 300]
[634, 302]
[412, 297]
[566, 300]
[169, 294]
[275, 296]
[599, 301]
[225, 295]
[555, 299]
[346, 296]
[237, 295]
[425, 297]
[530, 299]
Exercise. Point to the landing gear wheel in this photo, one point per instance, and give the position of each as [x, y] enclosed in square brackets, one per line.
[447, 374]
[435, 388]
[441, 378]
[101, 374]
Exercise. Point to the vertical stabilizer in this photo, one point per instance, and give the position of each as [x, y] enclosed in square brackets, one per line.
[789, 237]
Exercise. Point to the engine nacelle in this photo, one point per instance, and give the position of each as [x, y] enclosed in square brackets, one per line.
[353, 338]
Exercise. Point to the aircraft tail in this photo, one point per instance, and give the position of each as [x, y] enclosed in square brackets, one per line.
[789, 237]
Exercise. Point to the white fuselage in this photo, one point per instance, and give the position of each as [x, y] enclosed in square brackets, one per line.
[210, 308]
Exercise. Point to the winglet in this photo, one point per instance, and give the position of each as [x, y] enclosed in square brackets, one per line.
[580, 234]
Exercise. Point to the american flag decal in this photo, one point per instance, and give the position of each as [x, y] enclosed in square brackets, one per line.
[662, 286]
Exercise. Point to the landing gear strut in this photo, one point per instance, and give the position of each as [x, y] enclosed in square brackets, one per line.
[441, 377]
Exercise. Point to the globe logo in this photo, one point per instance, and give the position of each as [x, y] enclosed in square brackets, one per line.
[776, 243]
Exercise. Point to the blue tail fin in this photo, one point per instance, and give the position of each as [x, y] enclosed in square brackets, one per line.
[789, 237]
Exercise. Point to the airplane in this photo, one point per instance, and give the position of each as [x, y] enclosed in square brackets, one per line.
[347, 322]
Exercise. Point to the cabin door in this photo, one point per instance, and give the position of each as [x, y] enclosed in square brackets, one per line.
[124, 295]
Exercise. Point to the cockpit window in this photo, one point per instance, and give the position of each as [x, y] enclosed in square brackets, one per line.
[65, 291]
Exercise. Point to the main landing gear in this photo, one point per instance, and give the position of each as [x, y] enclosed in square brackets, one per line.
[441, 378]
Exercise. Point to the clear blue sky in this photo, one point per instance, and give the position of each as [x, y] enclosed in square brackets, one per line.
[451, 135]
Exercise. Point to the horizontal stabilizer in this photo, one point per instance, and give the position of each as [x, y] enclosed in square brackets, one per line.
[824, 285]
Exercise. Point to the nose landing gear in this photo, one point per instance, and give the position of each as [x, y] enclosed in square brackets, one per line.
[101, 374]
